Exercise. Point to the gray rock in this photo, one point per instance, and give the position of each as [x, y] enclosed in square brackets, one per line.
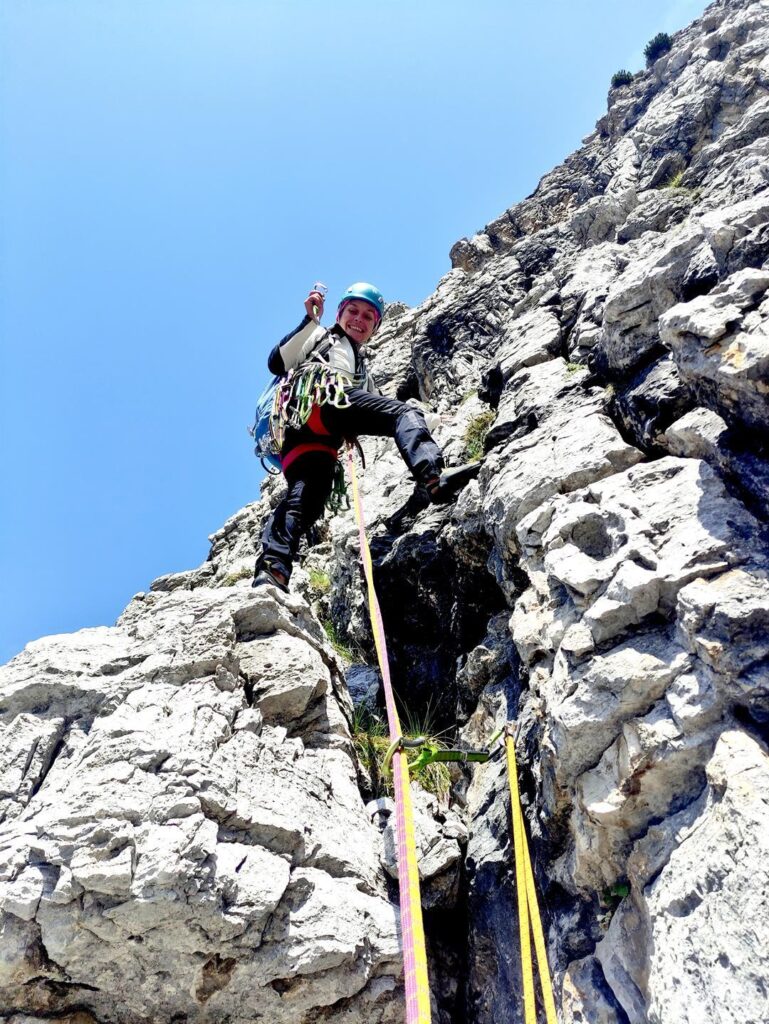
[654, 399]
[658, 211]
[564, 454]
[184, 852]
[363, 683]
[696, 947]
[721, 346]
[586, 997]
[440, 837]
[181, 833]
[696, 434]
[702, 434]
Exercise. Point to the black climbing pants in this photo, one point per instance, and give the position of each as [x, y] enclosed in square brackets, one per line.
[310, 473]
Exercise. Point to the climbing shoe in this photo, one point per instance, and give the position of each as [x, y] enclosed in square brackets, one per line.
[443, 488]
[267, 576]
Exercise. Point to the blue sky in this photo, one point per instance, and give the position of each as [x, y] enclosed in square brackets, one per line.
[174, 175]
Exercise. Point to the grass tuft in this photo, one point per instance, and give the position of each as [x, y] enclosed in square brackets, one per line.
[371, 739]
[320, 582]
[234, 577]
[475, 434]
[343, 649]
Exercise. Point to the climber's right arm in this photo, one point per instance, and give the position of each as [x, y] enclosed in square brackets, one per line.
[295, 347]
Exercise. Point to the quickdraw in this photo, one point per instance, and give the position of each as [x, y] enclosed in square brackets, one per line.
[299, 391]
[339, 497]
[429, 753]
[529, 919]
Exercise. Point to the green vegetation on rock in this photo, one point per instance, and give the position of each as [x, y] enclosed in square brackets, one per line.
[475, 434]
[372, 741]
[320, 582]
[235, 577]
[343, 649]
[620, 78]
[654, 49]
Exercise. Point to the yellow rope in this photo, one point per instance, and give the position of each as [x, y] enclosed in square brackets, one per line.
[529, 920]
[412, 929]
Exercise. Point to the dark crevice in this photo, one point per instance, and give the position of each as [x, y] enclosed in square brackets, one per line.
[50, 761]
[248, 689]
[61, 989]
[446, 932]
[754, 723]
[80, 1012]
[408, 388]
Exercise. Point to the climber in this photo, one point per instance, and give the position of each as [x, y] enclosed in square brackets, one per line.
[330, 367]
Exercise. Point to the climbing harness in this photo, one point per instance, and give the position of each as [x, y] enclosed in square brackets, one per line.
[529, 920]
[412, 929]
[288, 401]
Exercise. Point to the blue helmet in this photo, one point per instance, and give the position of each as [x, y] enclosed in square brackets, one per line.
[366, 292]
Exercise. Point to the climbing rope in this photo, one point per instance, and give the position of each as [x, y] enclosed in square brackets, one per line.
[412, 929]
[529, 920]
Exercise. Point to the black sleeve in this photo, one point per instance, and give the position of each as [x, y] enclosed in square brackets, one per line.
[275, 359]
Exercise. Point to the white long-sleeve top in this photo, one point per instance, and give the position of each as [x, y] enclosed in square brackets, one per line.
[338, 352]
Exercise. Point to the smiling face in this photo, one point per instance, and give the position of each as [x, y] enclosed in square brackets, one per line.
[358, 320]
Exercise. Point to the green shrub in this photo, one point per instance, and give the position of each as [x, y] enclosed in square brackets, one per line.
[475, 435]
[609, 900]
[320, 582]
[435, 777]
[656, 47]
[620, 78]
[371, 740]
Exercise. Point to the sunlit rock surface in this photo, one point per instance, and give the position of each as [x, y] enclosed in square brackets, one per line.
[186, 833]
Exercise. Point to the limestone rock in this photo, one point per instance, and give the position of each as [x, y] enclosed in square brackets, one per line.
[181, 831]
[440, 838]
[184, 853]
[696, 949]
[721, 346]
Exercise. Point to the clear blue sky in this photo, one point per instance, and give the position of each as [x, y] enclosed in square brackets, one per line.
[174, 175]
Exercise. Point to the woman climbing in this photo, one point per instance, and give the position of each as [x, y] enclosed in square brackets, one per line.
[338, 400]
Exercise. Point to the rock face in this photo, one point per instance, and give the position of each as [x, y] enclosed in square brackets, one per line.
[182, 835]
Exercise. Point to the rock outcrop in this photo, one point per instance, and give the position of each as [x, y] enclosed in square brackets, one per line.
[181, 822]
[182, 831]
